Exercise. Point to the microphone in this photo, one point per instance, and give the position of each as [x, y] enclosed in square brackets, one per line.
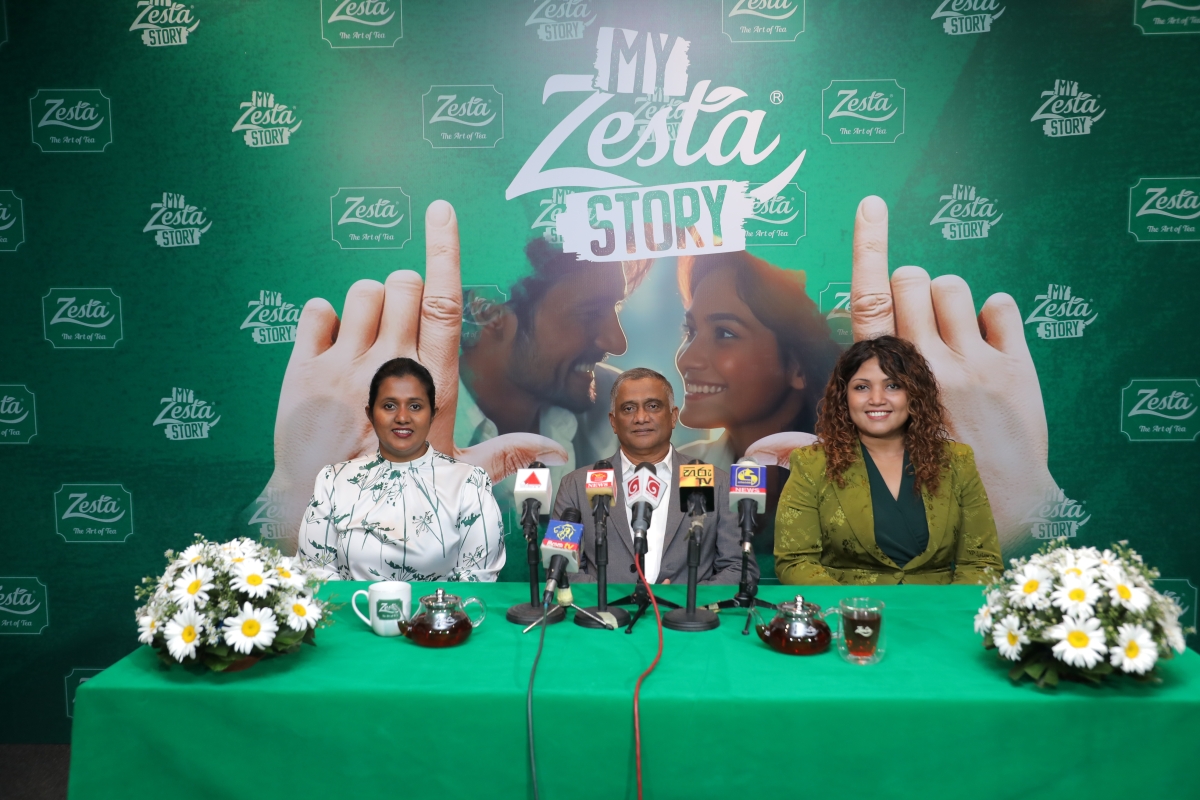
[560, 549]
[747, 495]
[748, 481]
[600, 482]
[532, 492]
[697, 482]
[643, 493]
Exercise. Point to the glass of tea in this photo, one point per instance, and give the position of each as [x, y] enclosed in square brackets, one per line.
[860, 636]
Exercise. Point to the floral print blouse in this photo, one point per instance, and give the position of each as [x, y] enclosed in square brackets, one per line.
[430, 519]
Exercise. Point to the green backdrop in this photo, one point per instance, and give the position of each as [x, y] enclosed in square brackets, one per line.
[95, 490]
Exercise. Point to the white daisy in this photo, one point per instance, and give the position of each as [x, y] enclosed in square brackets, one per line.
[1077, 563]
[1009, 637]
[252, 627]
[251, 577]
[147, 629]
[1134, 651]
[191, 587]
[1077, 596]
[1124, 592]
[1030, 587]
[1174, 633]
[183, 634]
[302, 613]
[193, 554]
[1080, 642]
[288, 575]
[983, 620]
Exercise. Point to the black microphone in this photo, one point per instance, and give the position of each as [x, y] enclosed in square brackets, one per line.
[560, 549]
[643, 493]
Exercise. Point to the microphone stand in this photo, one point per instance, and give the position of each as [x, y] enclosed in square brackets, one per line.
[747, 594]
[591, 618]
[641, 595]
[525, 613]
[690, 618]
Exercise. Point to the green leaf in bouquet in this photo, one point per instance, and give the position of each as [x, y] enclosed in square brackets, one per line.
[1049, 678]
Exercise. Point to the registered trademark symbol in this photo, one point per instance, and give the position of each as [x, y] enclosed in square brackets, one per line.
[776, 97]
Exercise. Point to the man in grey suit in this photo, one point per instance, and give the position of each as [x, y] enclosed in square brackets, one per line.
[643, 415]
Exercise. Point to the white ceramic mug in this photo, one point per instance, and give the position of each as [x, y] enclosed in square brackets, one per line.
[389, 602]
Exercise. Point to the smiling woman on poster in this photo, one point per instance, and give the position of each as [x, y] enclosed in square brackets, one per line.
[407, 512]
[755, 356]
[884, 496]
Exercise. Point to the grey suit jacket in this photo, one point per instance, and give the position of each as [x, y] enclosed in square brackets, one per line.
[720, 547]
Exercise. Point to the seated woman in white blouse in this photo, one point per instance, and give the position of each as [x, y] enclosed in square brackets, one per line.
[408, 512]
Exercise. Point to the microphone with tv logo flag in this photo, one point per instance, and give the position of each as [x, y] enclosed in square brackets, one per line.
[747, 497]
[532, 491]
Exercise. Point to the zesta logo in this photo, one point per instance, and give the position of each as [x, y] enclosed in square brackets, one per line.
[175, 223]
[547, 219]
[164, 22]
[762, 20]
[71, 120]
[82, 318]
[863, 111]
[967, 16]
[637, 62]
[265, 123]
[965, 214]
[271, 320]
[362, 23]
[186, 417]
[1066, 111]
[94, 512]
[1057, 517]
[561, 20]
[462, 116]
[1166, 209]
[1059, 315]
[1160, 410]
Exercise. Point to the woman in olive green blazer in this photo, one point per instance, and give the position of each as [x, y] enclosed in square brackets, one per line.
[882, 429]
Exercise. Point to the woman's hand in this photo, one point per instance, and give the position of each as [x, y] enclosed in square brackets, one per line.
[989, 383]
[321, 417]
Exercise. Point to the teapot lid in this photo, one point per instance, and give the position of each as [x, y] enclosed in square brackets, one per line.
[440, 600]
[798, 608]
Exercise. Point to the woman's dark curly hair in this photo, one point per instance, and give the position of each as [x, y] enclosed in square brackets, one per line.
[926, 435]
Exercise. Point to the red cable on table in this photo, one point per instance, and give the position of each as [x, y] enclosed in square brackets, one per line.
[637, 724]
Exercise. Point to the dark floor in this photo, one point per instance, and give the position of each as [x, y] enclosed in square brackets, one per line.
[34, 771]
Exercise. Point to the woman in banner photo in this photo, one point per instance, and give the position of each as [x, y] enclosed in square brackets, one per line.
[755, 356]
[884, 496]
[407, 512]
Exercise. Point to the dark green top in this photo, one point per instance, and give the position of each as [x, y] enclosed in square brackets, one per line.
[901, 530]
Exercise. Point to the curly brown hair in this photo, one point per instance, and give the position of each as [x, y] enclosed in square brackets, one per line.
[926, 435]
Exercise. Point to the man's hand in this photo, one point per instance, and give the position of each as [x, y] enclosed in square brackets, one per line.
[321, 418]
[989, 384]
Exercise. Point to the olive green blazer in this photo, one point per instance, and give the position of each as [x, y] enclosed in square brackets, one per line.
[825, 534]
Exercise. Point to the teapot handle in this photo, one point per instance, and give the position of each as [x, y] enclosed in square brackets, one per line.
[482, 610]
[835, 629]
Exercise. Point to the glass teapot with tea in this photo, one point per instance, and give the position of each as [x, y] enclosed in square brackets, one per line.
[441, 620]
[799, 629]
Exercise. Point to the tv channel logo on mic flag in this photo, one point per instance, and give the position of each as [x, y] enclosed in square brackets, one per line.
[562, 535]
[749, 479]
[692, 476]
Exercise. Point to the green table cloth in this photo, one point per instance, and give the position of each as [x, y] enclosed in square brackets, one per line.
[360, 717]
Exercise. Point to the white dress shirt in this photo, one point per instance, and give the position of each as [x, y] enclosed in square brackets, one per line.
[429, 519]
[657, 533]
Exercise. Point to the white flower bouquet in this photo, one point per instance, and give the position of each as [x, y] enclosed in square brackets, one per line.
[220, 604]
[1080, 613]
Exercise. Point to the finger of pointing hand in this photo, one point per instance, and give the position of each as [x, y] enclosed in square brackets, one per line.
[504, 455]
[441, 305]
[955, 311]
[398, 330]
[316, 329]
[915, 319]
[1003, 329]
[870, 294]
[360, 317]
